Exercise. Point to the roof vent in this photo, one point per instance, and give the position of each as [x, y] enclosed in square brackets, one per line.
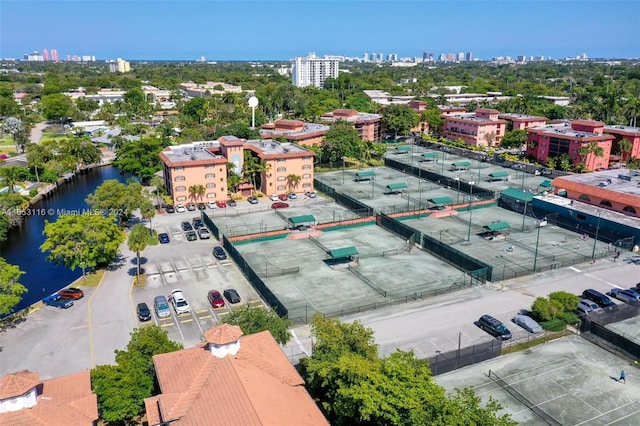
[285, 149]
[273, 144]
[193, 157]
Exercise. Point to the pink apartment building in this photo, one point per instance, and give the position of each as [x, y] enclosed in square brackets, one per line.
[369, 126]
[521, 122]
[479, 128]
[553, 140]
[632, 134]
[205, 163]
[295, 131]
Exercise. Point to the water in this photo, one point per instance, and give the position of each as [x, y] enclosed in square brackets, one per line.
[22, 247]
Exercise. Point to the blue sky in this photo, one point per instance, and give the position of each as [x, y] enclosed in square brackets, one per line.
[244, 30]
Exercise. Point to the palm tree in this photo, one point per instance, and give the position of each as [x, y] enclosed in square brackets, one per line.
[625, 146]
[160, 190]
[552, 163]
[565, 161]
[10, 176]
[37, 156]
[293, 181]
[632, 110]
[490, 137]
[261, 168]
[138, 240]
[592, 149]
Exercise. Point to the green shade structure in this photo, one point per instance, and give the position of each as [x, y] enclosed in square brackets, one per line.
[343, 252]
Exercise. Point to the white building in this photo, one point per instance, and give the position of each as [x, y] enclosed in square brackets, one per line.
[119, 65]
[313, 71]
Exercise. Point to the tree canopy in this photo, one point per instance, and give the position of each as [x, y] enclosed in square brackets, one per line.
[140, 158]
[119, 199]
[400, 119]
[256, 319]
[11, 290]
[341, 140]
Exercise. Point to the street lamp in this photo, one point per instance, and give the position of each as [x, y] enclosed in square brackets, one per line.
[444, 157]
[522, 171]
[524, 213]
[343, 170]
[470, 210]
[595, 240]
[535, 254]
[408, 194]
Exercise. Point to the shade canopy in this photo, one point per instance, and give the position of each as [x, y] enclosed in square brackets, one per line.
[440, 200]
[343, 252]
[366, 174]
[497, 226]
[461, 164]
[299, 220]
[403, 148]
[517, 194]
[501, 174]
[430, 155]
[545, 183]
[396, 186]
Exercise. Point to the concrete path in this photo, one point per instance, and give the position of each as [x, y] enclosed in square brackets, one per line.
[36, 132]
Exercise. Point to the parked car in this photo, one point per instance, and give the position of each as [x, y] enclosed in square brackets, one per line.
[71, 293]
[221, 204]
[57, 301]
[180, 208]
[202, 206]
[204, 234]
[191, 235]
[624, 295]
[494, 327]
[179, 302]
[310, 194]
[163, 237]
[274, 197]
[602, 300]
[633, 291]
[191, 207]
[169, 209]
[215, 298]
[231, 295]
[212, 205]
[253, 200]
[587, 306]
[283, 197]
[197, 223]
[232, 203]
[527, 323]
[161, 307]
[186, 226]
[279, 205]
[293, 196]
[144, 314]
[219, 253]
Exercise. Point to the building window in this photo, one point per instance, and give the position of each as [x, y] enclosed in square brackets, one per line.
[211, 185]
[212, 195]
[281, 187]
[209, 176]
[306, 176]
[281, 178]
[306, 158]
[306, 167]
[179, 178]
[209, 166]
[181, 198]
[181, 188]
[179, 169]
[281, 160]
[542, 152]
[281, 169]
[306, 185]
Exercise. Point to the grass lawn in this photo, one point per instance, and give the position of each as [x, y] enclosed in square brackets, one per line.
[7, 145]
[92, 280]
[540, 340]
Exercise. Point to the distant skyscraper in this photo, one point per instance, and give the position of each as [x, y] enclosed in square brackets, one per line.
[54, 55]
[313, 71]
[365, 57]
[45, 55]
[374, 57]
[469, 56]
[119, 65]
[460, 57]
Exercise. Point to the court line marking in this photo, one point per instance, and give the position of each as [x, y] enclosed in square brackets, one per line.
[622, 418]
[606, 412]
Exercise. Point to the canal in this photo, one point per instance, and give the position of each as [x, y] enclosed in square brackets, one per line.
[22, 247]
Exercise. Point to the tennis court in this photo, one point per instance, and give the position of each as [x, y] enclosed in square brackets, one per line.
[566, 382]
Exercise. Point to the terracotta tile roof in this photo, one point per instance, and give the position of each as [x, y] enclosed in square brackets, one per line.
[257, 386]
[17, 384]
[223, 334]
[66, 400]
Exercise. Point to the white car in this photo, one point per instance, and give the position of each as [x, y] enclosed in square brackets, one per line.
[180, 208]
[179, 302]
[274, 197]
[212, 204]
[310, 194]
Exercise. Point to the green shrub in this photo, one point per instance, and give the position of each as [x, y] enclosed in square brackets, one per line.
[569, 317]
[554, 325]
[544, 309]
[568, 301]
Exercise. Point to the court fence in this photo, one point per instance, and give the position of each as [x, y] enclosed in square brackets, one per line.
[594, 328]
[444, 362]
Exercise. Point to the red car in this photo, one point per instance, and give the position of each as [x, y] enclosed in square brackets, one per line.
[71, 293]
[279, 205]
[283, 197]
[215, 298]
[221, 204]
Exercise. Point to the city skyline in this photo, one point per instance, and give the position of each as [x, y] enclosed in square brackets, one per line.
[248, 30]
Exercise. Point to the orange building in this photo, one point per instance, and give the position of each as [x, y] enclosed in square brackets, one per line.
[521, 122]
[295, 131]
[554, 140]
[66, 400]
[205, 163]
[632, 134]
[230, 379]
[479, 128]
[369, 126]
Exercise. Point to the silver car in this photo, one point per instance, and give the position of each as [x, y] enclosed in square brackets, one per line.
[587, 306]
[527, 323]
[161, 306]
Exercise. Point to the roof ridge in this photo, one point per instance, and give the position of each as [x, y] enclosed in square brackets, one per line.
[81, 407]
[263, 364]
[186, 399]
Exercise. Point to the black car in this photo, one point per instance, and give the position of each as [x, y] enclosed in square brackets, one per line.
[202, 206]
[191, 235]
[232, 203]
[219, 253]
[197, 223]
[231, 295]
[144, 313]
[169, 209]
[494, 327]
[191, 207]
[186, 226]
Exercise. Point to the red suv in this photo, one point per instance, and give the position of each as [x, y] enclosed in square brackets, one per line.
[283, 197]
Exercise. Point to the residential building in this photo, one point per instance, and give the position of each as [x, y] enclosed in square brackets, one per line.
[383, 98]
[66, 400]
[554, 140]
[295, 131]
[451, 110]
[632, 134]
[313, 71]
[205, 163]
[557, 100]
[369, 126]
[469, 56]
[462, 99]
[119, 65]
[521, 121]
[615, 190]
[479, 128]
[230, 379]
[209, 88]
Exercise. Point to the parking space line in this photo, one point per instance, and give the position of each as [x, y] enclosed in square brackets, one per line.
[91, 350]
[179, 329]
[186, 320]
[205, 317]
[198, 324]
[169, 324]
[204, 310]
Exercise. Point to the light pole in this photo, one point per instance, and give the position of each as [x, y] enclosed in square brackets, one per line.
[444, 157]
[470, 210]
[343, 170]
[522, 171]
[373, 179]
[524, 214]
[458, 194]
[408, 194]
[535, 254]
[419, 194]
[595, 240]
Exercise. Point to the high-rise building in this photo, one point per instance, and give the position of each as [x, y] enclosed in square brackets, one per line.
[119, 65]
[374, 57]
[313, 71]
[365, 57]
[54, 55]
[45, 55]
[460, 57]
[469, 56]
